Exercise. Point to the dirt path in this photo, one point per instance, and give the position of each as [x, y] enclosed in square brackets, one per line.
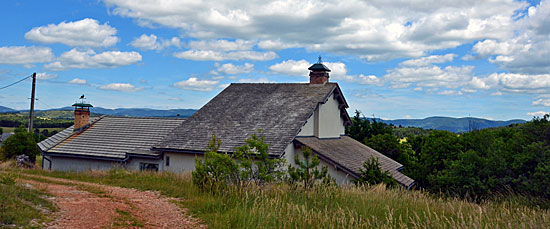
[89, 205]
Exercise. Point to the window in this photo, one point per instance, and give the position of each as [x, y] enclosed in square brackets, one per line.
[148, 167]
[167, 160]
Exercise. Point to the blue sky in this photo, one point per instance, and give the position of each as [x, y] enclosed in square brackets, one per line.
[392, 59]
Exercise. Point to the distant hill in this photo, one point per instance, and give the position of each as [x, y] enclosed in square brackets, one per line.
[6, 109]
[67, 112]
[456, 125]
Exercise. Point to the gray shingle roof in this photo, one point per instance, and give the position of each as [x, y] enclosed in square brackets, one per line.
[112, 137]
[351, 154]
[278, 109]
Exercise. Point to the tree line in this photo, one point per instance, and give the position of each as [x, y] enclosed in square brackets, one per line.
[477, 164]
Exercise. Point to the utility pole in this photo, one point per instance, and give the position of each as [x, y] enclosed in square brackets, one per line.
[32, 101]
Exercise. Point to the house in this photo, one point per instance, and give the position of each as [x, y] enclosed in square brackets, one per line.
[5, 136]
[290, 115]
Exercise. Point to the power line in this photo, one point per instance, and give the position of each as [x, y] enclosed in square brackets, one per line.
[15, 82]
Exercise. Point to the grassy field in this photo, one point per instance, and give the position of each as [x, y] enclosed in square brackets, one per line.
[11, 129]
[280, 206]
[21, 206]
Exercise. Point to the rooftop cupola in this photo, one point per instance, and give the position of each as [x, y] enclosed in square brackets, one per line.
[318, 73]
[81, 115]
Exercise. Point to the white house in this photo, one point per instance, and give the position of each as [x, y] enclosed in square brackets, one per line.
[290, 115]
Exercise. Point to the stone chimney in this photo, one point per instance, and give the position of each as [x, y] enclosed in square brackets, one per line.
[318, 73]
[81, 115]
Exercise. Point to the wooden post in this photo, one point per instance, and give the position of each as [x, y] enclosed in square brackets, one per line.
[32, 101]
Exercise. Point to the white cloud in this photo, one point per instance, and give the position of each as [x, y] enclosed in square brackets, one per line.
[86, 32]
[151, 42]
[258, 80]
[379, 29]
[542, 102]
[236, 69]
[89, 59]
[449, 92]
[431, 76]
[45, 76]
[537, 113]
[123, 87]
[338, 71]
[291, 68]
[512, 82]
[77, 81]
[428, 60]
[202, 55]
[275, 45]
[197, 85]
[222, 45]
[526, 51]
[25, 55]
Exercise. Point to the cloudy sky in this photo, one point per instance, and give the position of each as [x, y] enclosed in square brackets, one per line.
[392, 59]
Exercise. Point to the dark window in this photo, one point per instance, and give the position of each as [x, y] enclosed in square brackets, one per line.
[167, 161]
[148, 167]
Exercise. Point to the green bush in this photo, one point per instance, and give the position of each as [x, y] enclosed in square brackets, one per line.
[249, 163]
[22, 142]
[307, 172]
[371, 174]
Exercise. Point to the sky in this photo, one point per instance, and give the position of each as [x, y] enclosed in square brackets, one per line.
[392, 59]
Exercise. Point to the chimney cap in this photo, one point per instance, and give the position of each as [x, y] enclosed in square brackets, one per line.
[82, 105]
[319, 66]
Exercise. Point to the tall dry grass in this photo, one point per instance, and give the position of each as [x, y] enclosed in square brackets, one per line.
[282, 206]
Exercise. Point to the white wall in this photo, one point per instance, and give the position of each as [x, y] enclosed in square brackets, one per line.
[180, 162]
[307, 129]
[331, 125]
[325, 122]
[79, 164]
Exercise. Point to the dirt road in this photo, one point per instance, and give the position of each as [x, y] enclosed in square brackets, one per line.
[89, 205]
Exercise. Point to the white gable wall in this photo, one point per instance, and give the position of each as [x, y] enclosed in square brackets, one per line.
[325, 122]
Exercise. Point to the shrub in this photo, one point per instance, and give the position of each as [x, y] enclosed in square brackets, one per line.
[307, 171]
[371, 174]
[22, 142]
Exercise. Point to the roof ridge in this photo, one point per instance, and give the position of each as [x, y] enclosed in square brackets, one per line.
[135, 117]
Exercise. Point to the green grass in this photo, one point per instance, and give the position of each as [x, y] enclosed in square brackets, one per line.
[280, 206]
[22, 206]
[124, 220]
[12, 129]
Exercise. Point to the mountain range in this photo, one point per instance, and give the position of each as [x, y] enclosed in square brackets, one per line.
[456, 125]
[438, 123]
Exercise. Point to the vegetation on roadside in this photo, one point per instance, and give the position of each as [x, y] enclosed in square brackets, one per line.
[21, 143]
[21, 206]
[282, 206]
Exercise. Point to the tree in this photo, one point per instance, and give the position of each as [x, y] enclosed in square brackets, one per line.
[362, 128]
[249, 163]
[216, 170]
[371, 174]
[307, 171]
[22, 142]
[255, 152]
[387, 144]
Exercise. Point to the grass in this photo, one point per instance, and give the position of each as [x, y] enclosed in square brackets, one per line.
[124, 220]
[12, 129]
[280, 206]
[21, 206]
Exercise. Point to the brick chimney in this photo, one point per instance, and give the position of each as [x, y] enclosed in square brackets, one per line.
[81, 115]
[318, 73]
